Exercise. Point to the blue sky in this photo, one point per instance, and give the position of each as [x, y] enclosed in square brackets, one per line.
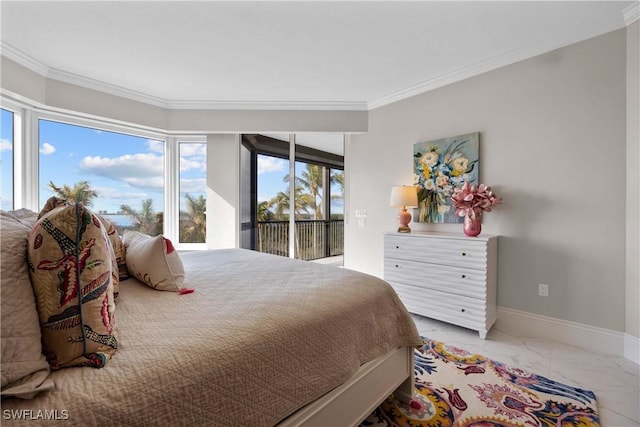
[271, 173]
[6, 160]
[121, 168]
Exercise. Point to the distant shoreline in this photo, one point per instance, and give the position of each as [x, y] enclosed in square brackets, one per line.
[118, 219]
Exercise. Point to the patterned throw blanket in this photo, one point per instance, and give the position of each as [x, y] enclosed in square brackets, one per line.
[458, 388]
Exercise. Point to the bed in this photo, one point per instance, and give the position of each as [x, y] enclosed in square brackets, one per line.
[262, 341]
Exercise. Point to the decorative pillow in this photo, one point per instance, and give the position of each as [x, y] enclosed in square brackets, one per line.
[118, 247]
[117, 254]
[52, 203]
[71, 274]
[25, 370]
[154, 261]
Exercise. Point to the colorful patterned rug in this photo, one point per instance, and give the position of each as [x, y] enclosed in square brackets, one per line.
[458, 388]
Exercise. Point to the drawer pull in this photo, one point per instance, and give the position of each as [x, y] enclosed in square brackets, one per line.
[397, 266]
[464, 276]
[464, 254]
[397, 247]
[462, 310]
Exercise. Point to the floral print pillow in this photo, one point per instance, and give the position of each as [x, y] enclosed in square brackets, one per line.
[71, 270]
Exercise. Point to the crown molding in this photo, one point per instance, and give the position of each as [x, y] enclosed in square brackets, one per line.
[88, 83]
[268, 105]
[631, 13]
[567, 38]
[55, 74]
[23, 59]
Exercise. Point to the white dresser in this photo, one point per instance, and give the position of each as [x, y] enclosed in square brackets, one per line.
[445, 276]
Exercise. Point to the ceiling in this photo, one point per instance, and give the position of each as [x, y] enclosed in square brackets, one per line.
[292, 54]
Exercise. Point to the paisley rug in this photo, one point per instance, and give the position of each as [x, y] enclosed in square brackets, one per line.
[458, 388]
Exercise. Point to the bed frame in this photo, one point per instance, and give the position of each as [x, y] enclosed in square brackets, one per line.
[350, 403]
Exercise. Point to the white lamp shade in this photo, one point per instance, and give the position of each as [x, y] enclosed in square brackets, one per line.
[405, 196]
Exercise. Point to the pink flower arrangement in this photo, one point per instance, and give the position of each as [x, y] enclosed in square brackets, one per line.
[471, 201]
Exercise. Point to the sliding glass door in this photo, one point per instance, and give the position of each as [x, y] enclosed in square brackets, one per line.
[293, 211]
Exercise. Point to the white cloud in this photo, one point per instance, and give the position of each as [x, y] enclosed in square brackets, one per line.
[155, 146]
[47, 149]
[197, 185]
[193, 156]
[5, 144]
[151, 182]
[143, 170]
[186, 165]
[117, 194]
[131, 165]
[271, 164]
[193, 150]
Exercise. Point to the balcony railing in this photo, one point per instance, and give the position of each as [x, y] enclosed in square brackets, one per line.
[314, 238]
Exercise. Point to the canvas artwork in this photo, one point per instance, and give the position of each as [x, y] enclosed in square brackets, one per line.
[440, 166]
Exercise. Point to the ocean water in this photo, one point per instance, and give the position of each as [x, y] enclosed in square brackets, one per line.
[118, 220]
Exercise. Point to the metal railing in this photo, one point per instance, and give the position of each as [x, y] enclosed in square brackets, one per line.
[314, 238]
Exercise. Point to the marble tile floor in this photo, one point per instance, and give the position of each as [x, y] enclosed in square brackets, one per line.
[614, 380]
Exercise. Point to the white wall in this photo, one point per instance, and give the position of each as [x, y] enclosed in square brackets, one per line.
[633, 181]
[552, 143]
[552, 131]
[223, 190]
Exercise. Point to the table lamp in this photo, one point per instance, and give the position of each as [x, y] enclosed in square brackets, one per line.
[404, 197]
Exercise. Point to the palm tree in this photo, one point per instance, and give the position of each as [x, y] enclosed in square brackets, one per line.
[80, 192]
[312, 180]
[280, 202]
[193, 222]
[146, 220]
[264, 214]
[303, 202]
[337, 177]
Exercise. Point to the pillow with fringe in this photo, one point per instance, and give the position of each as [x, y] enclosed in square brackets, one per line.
[154, 261]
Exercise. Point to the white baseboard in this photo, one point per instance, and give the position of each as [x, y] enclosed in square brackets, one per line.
[521, 323]
[632, 348]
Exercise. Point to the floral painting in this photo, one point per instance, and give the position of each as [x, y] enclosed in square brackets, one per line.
[440, 166]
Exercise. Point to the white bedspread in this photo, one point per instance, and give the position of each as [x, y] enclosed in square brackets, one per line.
[260, 337]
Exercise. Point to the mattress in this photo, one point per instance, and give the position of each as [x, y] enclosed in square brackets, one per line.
[260, 337]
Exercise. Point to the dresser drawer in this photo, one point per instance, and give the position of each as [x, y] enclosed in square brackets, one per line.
[463, 311]
[445, 276]
[466, 253]
[456, 280]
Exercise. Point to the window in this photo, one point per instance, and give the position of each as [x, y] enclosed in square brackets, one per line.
[337, 194]
[318, 197]
[117, 175]
[336, 212]
[6, 160]
[193, 196]
[272, 205]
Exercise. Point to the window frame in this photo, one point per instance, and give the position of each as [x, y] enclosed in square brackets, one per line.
[26, 158]
[15, 120]
[20, 176]
[176, 141]
[255, 144]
